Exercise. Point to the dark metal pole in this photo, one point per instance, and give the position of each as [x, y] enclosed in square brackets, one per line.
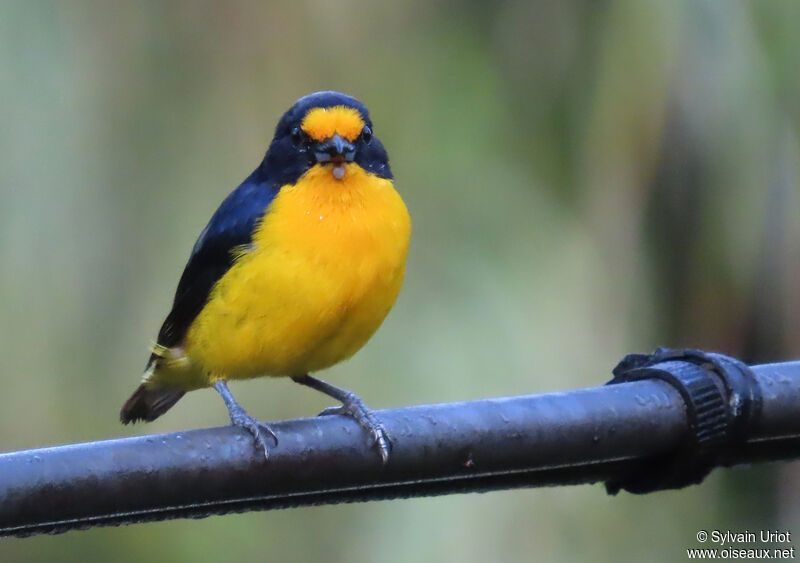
[580, 436]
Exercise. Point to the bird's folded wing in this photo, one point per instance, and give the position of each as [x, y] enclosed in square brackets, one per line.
[230, 228]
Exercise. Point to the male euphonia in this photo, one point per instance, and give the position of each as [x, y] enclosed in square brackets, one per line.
[293, 273]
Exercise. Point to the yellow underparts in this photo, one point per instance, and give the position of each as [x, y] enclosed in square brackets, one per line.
[325, 268]
[322, 123]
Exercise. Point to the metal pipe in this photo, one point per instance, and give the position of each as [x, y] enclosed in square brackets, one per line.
[580, 436]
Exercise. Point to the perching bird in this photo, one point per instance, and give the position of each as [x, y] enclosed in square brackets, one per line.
[294, 273]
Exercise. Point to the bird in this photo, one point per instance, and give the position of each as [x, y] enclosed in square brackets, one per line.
[294, 272]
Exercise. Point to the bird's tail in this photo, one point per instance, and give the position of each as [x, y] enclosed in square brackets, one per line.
[168, 376]
[148, 404]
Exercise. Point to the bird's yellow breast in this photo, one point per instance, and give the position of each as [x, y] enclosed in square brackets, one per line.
[324, 269]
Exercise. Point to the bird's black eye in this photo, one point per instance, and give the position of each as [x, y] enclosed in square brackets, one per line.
[297, 136]
[366, 134]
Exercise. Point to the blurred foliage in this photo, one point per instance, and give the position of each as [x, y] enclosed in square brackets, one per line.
[586, 179]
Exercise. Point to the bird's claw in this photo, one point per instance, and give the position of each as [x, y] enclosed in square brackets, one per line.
[382, 441]
[256, 428]
[330, 411]
[365, 418]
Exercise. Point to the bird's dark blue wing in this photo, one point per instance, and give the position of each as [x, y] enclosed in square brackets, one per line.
[230, 227]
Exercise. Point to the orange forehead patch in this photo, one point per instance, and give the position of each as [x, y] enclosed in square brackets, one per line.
[321, 123]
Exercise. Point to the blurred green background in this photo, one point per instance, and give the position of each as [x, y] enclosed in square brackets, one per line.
[586, 179]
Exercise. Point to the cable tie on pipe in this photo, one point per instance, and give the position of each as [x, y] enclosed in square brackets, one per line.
[722, 399]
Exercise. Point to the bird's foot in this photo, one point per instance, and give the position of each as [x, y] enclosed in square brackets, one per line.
[355, 408]
[259, 430]
[240, 418]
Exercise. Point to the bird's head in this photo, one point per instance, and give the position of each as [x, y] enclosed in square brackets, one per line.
[326, 129]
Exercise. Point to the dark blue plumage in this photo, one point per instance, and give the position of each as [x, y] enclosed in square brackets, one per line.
[286, 160]
[230, 227]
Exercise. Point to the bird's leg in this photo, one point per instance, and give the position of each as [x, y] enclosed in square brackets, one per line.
[240, 418]
[354, 407]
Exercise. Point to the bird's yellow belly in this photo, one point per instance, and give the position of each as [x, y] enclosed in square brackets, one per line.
[325, 268]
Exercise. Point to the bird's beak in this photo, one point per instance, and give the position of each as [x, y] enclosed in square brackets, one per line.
[335, 150]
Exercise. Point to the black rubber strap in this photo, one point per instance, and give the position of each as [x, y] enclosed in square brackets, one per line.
[722, 399]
